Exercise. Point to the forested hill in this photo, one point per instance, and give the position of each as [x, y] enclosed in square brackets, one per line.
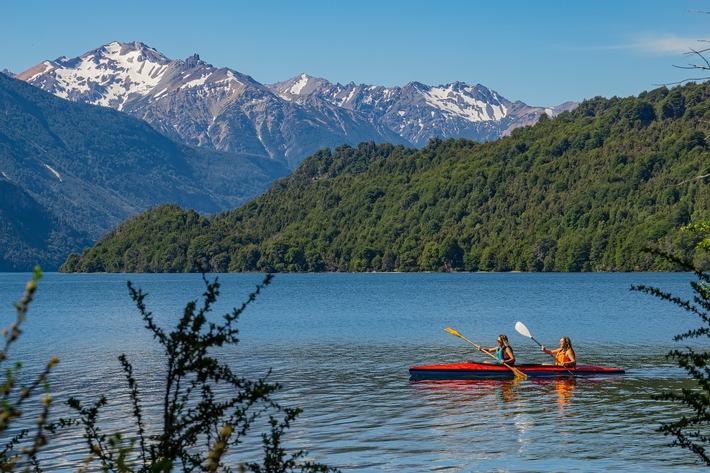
[583, 192]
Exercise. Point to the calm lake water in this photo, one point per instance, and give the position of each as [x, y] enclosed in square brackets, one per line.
[341, 345]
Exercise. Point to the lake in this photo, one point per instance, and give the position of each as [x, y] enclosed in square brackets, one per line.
[341, 346]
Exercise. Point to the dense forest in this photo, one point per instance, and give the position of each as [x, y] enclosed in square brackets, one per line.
[586, 191]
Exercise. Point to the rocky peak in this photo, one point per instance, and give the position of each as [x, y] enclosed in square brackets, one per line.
[194, 61]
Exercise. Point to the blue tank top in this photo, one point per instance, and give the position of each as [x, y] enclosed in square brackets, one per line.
[499, 353]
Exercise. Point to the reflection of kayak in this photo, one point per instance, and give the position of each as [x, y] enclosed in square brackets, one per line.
[470, 370]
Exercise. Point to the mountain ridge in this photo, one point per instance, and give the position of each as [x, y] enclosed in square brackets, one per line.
[198, 104]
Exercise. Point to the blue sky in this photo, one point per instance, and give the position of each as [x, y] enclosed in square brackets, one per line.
[541, 52]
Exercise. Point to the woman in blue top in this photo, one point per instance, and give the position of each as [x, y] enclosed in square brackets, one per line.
[503, 351]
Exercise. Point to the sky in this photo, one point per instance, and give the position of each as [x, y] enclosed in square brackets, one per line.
[541, 52]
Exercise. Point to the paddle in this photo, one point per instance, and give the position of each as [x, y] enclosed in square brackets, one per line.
[518, 374]
[523, 330]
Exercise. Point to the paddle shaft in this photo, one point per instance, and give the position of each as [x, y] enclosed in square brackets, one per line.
[480, 348]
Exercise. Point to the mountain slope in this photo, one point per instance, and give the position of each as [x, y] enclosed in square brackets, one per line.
[198, 104]
[92, 167]
[30, 234]
[195, 103]
[583, 192]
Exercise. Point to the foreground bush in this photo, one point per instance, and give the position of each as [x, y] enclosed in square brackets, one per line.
[692, 430]
[200, 424]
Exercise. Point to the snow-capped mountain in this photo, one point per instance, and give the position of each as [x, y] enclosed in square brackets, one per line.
[198, 104]
[195, 103]
[418, 112]
[111, 75]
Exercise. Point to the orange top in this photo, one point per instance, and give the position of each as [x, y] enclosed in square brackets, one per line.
[562, 357]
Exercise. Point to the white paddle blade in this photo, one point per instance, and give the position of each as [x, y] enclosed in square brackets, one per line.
[522, 330]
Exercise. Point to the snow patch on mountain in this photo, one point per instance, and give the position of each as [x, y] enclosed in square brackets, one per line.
[196, 82]
[463, 104]
[298, 86]
[53, 172]
[36, 71]
[162, 92]
[230, 79]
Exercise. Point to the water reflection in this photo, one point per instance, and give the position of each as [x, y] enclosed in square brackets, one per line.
[504, 390]
[565, 388]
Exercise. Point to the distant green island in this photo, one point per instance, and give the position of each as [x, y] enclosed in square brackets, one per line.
[586, 191]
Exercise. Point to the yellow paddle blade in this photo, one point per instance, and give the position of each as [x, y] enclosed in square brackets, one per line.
[453, 332]
[518, 374]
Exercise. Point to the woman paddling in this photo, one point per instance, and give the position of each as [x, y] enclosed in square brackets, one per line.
[503, 351]
[565, 355]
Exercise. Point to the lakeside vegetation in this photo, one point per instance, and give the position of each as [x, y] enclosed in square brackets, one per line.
[583, 192]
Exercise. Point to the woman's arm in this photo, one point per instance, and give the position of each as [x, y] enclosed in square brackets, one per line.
[549, 352]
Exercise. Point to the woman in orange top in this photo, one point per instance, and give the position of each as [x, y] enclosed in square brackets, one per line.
[565, 355]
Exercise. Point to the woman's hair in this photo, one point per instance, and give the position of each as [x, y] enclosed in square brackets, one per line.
[568, 343]
[504, 339]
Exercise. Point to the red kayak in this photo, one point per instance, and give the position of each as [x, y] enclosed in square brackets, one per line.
[470, 370]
